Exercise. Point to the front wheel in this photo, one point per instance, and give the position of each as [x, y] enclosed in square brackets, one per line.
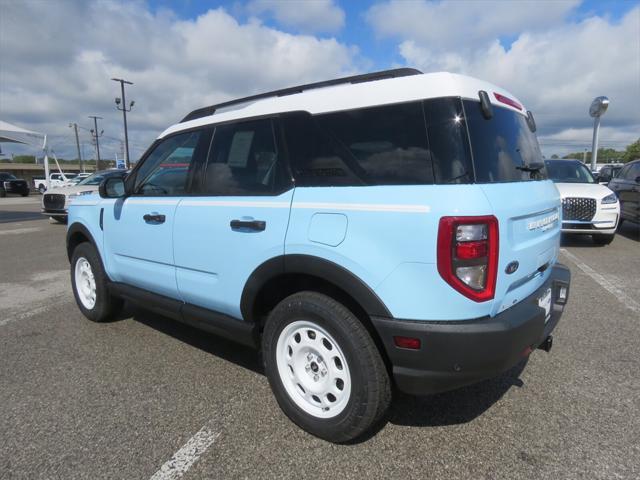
[42, 189]
[3, 193]
[603, 239]
[324, 368]
[89, 282]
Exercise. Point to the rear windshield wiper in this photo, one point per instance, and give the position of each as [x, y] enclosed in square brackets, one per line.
[532, 167]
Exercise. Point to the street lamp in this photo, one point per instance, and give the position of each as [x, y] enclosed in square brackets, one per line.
[596, 110]
[124, 109]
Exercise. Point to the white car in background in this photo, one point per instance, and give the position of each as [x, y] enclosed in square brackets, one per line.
[55, 204]
[587, 207]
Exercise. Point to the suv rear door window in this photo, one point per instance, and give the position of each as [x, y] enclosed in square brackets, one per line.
[244, 160]
[502, 144]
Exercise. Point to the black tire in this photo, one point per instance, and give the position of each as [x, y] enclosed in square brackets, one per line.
[25, 194]
[59, 218]
[42, 189]
[106, 305]
[3, 193]
[603, 239]
[370, 393]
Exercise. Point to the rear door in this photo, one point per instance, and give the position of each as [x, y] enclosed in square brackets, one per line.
[239, 218]
[138, 230]
[505, 156]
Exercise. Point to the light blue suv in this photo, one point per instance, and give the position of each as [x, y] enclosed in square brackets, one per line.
[385, 229]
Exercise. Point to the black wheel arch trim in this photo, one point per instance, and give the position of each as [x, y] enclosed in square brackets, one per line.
[72, 231]
[313, 266]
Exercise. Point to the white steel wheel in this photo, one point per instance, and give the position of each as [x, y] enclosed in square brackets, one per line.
[313, 369]
[85, 283]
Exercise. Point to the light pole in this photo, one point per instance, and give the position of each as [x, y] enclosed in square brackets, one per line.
[96, 135]
[596, 110]
[124, 116]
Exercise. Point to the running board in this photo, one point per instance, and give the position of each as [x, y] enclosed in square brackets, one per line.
[239, 331]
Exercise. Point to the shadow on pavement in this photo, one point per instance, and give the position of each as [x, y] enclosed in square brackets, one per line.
[207, 342]
[11, 216]
[629, 230]
[450, 408]
[455, 407]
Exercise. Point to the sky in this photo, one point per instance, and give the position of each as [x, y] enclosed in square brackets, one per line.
[57, 58]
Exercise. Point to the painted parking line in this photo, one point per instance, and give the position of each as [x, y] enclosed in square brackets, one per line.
[605, 283]
[190, 452]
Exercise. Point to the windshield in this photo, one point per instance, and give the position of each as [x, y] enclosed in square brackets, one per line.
[7, 176]
[93, 179]
[504, 148]
[562, 171]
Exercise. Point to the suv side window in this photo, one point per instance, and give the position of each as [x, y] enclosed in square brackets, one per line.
[387, 144]
[244, 160]
[165, 170]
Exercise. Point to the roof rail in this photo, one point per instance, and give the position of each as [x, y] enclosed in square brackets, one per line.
[367, 77]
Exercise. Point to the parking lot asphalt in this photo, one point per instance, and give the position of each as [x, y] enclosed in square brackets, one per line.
[145, 397]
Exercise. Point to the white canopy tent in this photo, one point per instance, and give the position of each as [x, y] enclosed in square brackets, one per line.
[14, 134]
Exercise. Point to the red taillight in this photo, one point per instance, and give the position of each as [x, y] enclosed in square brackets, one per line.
[470, 250]
[468, 255]
[507, 101]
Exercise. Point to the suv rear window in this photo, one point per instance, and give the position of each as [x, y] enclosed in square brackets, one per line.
[501, 145]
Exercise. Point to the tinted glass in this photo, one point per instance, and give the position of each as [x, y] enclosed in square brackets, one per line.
[384, 145]
[165, 170]
[316, 159]
[448, 142]
[563, 171]
[502, 145]
[7, 176]
[244, 160]
[633, 172]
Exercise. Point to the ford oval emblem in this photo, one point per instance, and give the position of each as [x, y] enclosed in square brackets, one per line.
[512, 267]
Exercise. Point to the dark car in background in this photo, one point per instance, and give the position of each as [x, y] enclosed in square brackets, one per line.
[10, 184]
[626, 186]
[606, 173]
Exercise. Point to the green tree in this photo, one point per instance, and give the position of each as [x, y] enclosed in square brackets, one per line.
[632, 152]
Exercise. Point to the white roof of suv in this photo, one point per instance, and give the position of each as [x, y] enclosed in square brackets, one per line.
[347, 96]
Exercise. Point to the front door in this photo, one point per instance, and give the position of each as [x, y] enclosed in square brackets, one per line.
[138, 230]
[238, 221]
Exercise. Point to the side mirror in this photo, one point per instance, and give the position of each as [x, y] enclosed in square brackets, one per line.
[112, 187]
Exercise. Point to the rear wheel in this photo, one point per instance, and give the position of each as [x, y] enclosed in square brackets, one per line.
[603, 239]
[3, 193]
[89, 283]
[324, 368]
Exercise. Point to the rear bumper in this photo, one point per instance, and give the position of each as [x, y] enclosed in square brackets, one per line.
[458, 353]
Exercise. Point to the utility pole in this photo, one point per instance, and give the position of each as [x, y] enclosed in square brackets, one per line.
[96, 136]
[75, 129]
[124, 116]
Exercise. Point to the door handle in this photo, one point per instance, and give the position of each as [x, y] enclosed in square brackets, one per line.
[257, 225]
[153, 218]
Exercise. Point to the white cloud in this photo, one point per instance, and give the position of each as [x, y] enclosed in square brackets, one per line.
[554, 65]
[463, 23]
[313, 16]
[52, 74]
